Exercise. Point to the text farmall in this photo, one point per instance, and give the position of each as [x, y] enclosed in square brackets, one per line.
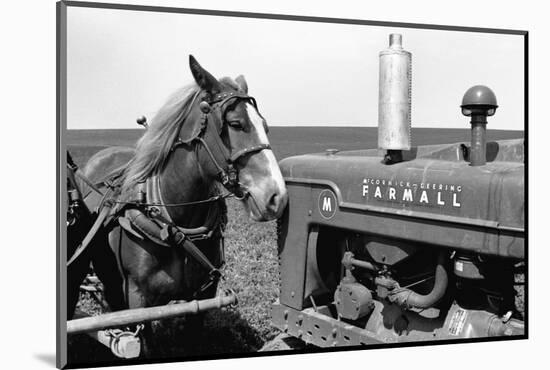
[418, 193]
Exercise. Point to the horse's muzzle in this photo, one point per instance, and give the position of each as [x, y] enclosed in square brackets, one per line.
[262, 178]
[277, 203]
[266, 206]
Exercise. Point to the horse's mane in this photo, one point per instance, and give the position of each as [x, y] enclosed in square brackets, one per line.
[153, 147]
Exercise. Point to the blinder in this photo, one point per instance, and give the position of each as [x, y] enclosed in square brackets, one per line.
[222, 158]
[222, 101]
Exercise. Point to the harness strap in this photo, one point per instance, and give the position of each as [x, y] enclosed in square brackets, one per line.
[181, 240]
[211, 155]
[93, 231]
[86, 180]
[251, 149]
[153, 194]
[201, 232]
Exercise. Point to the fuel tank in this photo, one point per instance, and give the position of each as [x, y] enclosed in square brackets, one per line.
[433, 196]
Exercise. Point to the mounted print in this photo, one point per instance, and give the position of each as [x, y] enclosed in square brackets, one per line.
[236, 184]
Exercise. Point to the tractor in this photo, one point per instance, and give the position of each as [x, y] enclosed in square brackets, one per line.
[404, 243]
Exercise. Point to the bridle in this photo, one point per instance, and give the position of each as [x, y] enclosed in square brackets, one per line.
[223, 158]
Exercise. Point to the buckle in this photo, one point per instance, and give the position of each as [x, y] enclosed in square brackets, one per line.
[215, 275]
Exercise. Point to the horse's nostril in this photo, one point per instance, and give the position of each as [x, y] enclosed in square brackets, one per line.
[277, 201]
[273, 201]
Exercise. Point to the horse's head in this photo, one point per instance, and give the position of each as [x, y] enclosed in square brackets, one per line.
[235, 143]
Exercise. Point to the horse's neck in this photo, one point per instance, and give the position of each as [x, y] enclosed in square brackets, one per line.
[182, 182]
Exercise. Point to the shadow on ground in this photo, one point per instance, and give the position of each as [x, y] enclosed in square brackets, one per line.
[46, 358]
[223, 332]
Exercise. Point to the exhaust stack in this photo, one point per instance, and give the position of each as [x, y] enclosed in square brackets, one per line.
[394, 100]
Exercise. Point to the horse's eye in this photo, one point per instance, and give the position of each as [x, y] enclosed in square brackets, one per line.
[237, 124]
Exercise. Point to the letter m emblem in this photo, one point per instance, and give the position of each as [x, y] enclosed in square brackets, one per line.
[327, 204]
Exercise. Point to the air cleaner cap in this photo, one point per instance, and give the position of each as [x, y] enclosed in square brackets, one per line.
[479, 99]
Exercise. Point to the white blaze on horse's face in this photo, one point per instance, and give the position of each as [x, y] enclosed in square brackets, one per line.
[262, 176]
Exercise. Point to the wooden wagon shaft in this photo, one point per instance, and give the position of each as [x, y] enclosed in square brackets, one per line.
[139, 315]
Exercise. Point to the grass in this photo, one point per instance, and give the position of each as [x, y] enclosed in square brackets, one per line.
[251, 251]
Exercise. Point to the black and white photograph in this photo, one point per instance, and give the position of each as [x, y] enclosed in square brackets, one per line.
[241, 184]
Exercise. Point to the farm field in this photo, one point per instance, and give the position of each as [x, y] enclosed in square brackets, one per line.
[287, 141]
[251, 251]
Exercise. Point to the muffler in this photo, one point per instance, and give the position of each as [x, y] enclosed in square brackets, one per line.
[394, 100]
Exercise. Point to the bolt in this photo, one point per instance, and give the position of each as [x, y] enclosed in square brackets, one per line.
[154, 211]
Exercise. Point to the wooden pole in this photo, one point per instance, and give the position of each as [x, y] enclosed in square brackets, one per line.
[139, 315]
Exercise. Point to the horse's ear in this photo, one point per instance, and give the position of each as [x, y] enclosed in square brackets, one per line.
[203, 78]
[242, 83]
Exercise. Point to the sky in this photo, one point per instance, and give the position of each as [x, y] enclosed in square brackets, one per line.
[122, 64]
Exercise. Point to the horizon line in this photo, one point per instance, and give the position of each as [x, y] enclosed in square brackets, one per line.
[309, 126]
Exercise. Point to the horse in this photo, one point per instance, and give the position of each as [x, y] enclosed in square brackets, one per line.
[207, 139]
[79, 221]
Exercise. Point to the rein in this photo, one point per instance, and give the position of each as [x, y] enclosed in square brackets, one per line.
[184, 204]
